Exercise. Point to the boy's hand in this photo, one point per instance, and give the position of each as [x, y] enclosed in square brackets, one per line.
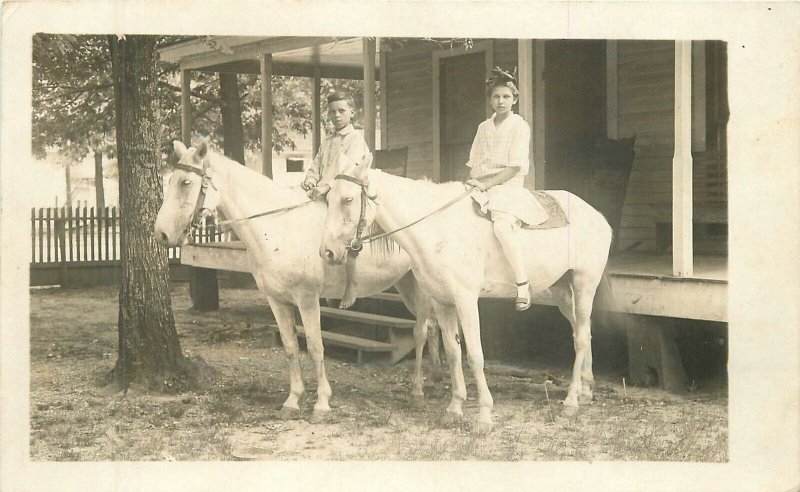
[476, 184]
[308, 185]
[319, 192]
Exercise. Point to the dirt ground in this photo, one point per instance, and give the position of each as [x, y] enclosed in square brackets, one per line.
[75, 418]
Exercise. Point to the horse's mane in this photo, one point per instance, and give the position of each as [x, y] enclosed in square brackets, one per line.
[430, 194]
[252, 181]
[425, 184]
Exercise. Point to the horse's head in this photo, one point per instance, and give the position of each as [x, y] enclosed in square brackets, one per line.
[190, 193]
[351, 210]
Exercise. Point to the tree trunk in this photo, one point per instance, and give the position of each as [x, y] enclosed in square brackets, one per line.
[98, 181]
[232, 131]
[149, 350]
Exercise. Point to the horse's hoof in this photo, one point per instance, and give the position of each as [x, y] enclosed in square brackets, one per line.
[417, 401]
[450, 418]
[482, 428]
[289, 413]
[319, 416]
[585, 399]
[569, 411]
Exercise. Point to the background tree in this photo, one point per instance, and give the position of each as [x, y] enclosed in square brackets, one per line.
[72, 100]
[73, 103]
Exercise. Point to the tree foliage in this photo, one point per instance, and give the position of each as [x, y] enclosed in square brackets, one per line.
[73, 108]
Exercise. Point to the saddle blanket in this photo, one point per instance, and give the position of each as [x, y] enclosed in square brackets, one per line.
[538, 204]
[555, 214]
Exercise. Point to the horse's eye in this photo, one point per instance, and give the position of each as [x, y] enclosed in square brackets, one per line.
[187, 182]
[349, 199]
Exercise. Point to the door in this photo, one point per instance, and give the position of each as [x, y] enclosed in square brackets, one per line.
[462, 108]
[575, 118]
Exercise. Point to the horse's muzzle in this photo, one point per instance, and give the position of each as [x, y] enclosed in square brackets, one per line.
[167, 238]
[161, 238]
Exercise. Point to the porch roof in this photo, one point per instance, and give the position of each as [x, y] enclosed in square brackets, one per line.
[340, 58]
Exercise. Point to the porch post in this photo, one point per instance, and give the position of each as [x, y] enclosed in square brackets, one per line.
[384, 79]
[186, 108]
[699, 96]
[369, 91]
[266, 114]
[682, 260]
[316, 115]
[612, 114]
[525, 74]
[203, 284]
[538, 115]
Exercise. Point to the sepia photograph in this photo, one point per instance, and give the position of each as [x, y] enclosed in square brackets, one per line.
[391, 249]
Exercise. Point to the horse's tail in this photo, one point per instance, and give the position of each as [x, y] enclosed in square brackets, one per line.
[606, 299]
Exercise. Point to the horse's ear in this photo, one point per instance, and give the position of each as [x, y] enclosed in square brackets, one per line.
[180, 149]
[367, 161]
[202, 150]
[362, 167]
[368, 185]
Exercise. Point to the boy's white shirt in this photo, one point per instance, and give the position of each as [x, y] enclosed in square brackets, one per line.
[327, 165]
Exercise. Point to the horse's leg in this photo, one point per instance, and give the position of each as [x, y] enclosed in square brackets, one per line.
[471, 327]
[420, 307]
[587, 290]
[309, 312]
[284, 315]
[448, 321]
[582, 338]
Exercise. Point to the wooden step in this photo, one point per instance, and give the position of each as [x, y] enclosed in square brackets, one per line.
[386, 296]
[346, 341]
[366, 318]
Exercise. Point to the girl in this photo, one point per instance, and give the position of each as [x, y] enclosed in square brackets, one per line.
[498, 162]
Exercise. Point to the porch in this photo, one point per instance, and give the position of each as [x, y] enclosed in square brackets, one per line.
[670, 96]
[642, 283]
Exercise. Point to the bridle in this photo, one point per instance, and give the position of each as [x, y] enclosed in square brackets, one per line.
[201, 197]
[197, 214]
[357, 243]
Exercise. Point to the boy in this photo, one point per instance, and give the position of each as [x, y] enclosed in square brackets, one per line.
[345, 140]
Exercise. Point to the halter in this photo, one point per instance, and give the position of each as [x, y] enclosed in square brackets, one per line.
[357, 243]
[201, 197]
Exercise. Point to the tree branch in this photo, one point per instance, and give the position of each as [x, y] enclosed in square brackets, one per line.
[193, 93]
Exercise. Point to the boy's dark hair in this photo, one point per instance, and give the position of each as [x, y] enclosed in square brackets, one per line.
[502, 78]
[342, 96]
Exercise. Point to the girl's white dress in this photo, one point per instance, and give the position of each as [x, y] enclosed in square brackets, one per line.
[494, 149]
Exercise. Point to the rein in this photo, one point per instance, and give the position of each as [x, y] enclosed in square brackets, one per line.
[201, 198]
[357, 244]
[263, 214]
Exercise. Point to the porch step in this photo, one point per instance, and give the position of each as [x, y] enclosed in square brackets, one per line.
[386, 296]
[361, 345]
[366, 318]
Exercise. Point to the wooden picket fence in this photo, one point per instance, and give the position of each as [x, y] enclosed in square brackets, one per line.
[88, 237]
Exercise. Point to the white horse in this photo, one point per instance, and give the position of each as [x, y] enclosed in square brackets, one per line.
[456, 258]
[284, 248]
